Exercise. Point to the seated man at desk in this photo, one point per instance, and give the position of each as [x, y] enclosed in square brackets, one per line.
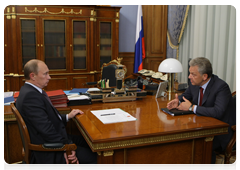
[45, 124]
[207, 95]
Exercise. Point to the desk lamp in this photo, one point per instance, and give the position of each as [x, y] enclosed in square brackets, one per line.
[170, 65]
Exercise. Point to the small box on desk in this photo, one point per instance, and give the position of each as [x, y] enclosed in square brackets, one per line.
[75, 100]
[79, 102]
[151, 88]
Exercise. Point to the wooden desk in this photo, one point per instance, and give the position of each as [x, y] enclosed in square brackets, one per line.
[155, 137]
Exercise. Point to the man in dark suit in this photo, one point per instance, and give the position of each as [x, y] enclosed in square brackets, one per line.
[213, 100]
[45, 124]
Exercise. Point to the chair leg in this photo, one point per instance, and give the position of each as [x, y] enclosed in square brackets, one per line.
[227, 158]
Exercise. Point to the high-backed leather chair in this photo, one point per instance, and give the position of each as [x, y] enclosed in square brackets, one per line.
[28, 146]
[231, 147]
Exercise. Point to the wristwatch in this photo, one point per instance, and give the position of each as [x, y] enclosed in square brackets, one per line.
[190, 108]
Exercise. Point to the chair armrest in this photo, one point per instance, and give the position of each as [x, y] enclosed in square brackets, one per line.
[56, 147]
[53, 147]
[233, 127]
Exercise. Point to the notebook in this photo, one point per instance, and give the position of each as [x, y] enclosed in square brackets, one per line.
[176, 112]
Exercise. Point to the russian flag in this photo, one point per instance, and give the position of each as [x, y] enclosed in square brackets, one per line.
[139, 43]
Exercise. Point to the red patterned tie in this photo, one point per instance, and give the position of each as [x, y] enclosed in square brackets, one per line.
[46, 96]
[201, 96]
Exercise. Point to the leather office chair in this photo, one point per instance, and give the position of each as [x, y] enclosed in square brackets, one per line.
[108, 72]
[231, 147]
[28, 146]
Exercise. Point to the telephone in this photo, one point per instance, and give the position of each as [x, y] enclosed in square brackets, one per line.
[164, 77]
[142, 71]
[149, 73]
[157, 75]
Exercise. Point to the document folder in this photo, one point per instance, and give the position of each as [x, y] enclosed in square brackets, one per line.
[176, 112]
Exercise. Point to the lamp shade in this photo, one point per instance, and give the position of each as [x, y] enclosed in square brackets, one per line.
[170, 65]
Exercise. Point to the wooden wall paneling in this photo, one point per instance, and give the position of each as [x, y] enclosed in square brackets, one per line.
[78, 82]
[12, 142]
[6, 84]
[128, 61]
[92, 41]
[58, 82]
[155, 34]
[7, 44]
[155, 24]
[14, 41]
[153, 63]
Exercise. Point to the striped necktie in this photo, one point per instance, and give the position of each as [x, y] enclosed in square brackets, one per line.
[201, 96]
[46, 96]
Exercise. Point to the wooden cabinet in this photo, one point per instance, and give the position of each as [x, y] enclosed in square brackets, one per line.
[74, 41]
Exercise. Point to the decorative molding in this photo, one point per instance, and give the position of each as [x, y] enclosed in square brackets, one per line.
[149, 140]
[9, 117]
[209, 139]
[108, 153]
[54, 13]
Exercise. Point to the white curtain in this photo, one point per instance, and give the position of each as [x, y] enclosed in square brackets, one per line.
[210, 32]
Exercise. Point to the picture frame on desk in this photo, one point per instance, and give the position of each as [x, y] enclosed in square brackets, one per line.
[161, 91]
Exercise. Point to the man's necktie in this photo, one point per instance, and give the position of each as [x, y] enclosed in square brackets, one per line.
[201, 96]
[46, 96]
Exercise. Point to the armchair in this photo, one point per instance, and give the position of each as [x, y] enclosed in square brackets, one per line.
[28, 146]
[232, 147]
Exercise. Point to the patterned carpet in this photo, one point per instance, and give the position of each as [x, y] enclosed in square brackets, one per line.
[220, 163]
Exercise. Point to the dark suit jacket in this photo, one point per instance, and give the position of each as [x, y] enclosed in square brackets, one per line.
[216, 101]
[43, 123]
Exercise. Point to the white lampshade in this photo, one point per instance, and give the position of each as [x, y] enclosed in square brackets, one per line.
[170, 65]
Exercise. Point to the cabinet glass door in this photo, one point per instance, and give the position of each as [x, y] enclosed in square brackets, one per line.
[79, 45]
[54, 43]
[105, 42]
[28, 40]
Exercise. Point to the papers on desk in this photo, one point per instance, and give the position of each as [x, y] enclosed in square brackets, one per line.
[8, 98]
[78, 97]
[93, 90]
[79, 90]
[113, 116]
[8, 94]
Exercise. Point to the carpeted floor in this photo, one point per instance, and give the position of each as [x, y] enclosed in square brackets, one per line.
[219, 165]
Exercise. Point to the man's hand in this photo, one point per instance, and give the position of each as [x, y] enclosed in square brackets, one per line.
[74, 112]
[184, 105]
[173, 103]
[71, 158]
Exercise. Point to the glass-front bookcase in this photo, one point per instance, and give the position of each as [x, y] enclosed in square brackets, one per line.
[79, 45]
[55, 44]
[105, 42]
[28, 40]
